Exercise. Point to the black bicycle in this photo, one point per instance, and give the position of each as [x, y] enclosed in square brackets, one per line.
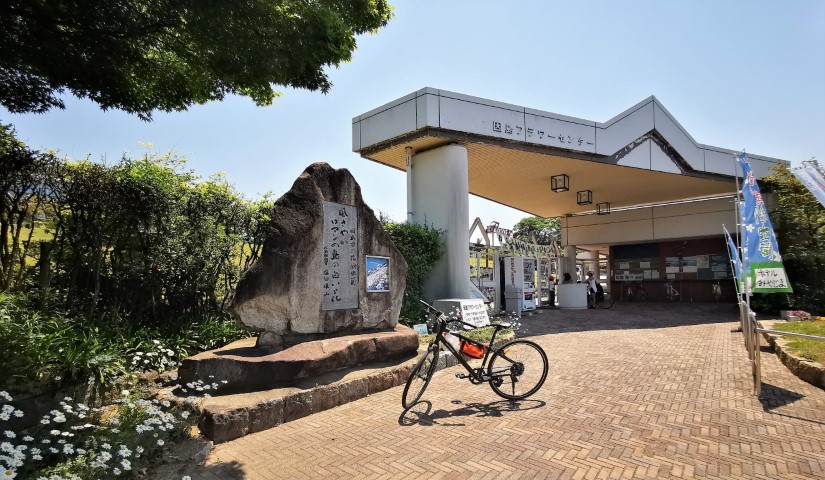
[603, 299]
[515, 370]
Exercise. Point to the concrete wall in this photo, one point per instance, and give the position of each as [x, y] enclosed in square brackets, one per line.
[687, 220]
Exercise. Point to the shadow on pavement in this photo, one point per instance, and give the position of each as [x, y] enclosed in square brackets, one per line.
[774, 397]
[421, 413]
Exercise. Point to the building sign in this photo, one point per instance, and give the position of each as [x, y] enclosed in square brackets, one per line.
[339, 266]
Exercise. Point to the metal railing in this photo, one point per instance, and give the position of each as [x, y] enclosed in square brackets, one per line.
[751, 331]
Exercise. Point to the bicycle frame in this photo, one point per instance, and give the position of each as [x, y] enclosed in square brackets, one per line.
[475, 375]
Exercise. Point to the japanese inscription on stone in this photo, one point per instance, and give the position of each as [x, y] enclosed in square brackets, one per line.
[339, 266]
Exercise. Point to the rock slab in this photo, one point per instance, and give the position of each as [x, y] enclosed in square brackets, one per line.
[311, 277]
[246, 367]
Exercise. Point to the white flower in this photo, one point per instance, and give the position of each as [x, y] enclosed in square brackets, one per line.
[55, 432]
[81, 451]
[19, 413]
[156, 342]
[10, 434]
[67, 399]
[68, 449]
[116, 471]
[125, 393]
[160, 443]
[106, 446]
[139, 449]
[4, 416]
[53, 450]
[126, 464]
[186, 477]
[5, 395]
[6, 447]
[28, 439]
[45, 421]
[7, 472]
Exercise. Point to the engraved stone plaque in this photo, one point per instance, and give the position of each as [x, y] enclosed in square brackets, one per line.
[339, 266]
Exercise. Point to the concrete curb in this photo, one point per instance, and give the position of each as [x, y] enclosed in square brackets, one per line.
[813, 373]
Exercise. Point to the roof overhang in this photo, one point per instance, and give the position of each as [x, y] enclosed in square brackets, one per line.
[641, 156]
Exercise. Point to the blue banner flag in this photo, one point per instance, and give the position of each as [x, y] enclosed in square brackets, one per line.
[763, 263]
[811, 176]
[733, 253]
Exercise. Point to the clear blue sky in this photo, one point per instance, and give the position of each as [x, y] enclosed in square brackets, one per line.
[736, 74]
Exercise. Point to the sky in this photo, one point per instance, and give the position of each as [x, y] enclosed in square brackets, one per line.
[736, 74]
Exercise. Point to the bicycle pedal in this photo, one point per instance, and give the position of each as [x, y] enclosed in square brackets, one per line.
[461, 375]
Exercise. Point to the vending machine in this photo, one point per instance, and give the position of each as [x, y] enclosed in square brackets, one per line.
[519, 275]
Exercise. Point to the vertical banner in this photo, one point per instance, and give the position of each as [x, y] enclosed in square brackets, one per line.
[811, 176]
[733, 253]
[763, 263]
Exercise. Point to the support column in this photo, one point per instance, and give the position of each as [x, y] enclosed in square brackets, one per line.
[594, 255]
[569, 263]
[440, 199]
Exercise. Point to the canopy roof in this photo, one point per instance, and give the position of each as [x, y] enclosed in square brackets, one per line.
[641, 156]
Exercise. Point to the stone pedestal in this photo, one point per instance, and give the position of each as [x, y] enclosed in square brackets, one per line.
[248, 368]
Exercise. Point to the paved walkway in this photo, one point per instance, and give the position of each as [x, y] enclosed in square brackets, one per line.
[640, 391]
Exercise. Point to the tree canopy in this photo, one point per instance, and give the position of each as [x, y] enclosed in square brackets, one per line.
[146, 55]
[542, 231]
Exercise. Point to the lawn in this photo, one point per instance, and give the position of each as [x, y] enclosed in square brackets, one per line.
[813, 350]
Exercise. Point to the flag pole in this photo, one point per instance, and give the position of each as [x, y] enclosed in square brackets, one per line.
[740, 291]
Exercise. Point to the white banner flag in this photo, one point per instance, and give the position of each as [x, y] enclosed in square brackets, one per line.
[811, 176]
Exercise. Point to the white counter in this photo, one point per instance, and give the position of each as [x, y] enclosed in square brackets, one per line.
[573, 295]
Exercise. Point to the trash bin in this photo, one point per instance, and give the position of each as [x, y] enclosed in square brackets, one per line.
[513, 299]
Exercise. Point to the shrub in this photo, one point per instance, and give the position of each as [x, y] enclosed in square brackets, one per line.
[421, 247]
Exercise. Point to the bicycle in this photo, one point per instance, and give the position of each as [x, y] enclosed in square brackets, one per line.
[639, 294]
[672, 293]
[642, 293]
[604, 299]
[517, 363]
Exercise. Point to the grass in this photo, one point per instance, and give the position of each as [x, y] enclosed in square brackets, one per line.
[813, 350]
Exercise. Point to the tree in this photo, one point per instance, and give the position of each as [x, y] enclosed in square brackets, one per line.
[542, 231]
[22, 179]
[145, 55]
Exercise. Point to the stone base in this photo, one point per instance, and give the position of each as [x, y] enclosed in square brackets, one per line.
[228, 417]
[811, 372]
[247, 367]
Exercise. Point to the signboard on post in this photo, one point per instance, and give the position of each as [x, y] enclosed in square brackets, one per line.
[471, 310]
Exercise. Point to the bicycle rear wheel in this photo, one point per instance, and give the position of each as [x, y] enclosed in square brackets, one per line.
[606, 300]
[518, 369]
[420, 376]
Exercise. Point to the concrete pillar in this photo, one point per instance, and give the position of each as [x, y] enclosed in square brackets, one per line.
[440, 199]
[569, 261]
[594, 255]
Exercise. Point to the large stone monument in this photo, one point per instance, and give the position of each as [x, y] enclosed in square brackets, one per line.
[324, 295]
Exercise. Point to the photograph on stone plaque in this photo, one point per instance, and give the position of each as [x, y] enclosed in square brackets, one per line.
[378, 274]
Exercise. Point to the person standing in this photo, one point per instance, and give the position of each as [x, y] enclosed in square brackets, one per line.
[591, 290]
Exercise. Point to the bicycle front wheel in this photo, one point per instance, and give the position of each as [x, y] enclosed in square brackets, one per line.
[606, 301]
[420, 376]
[518, 369]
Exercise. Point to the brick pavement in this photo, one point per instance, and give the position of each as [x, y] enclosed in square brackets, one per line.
[640, 391]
